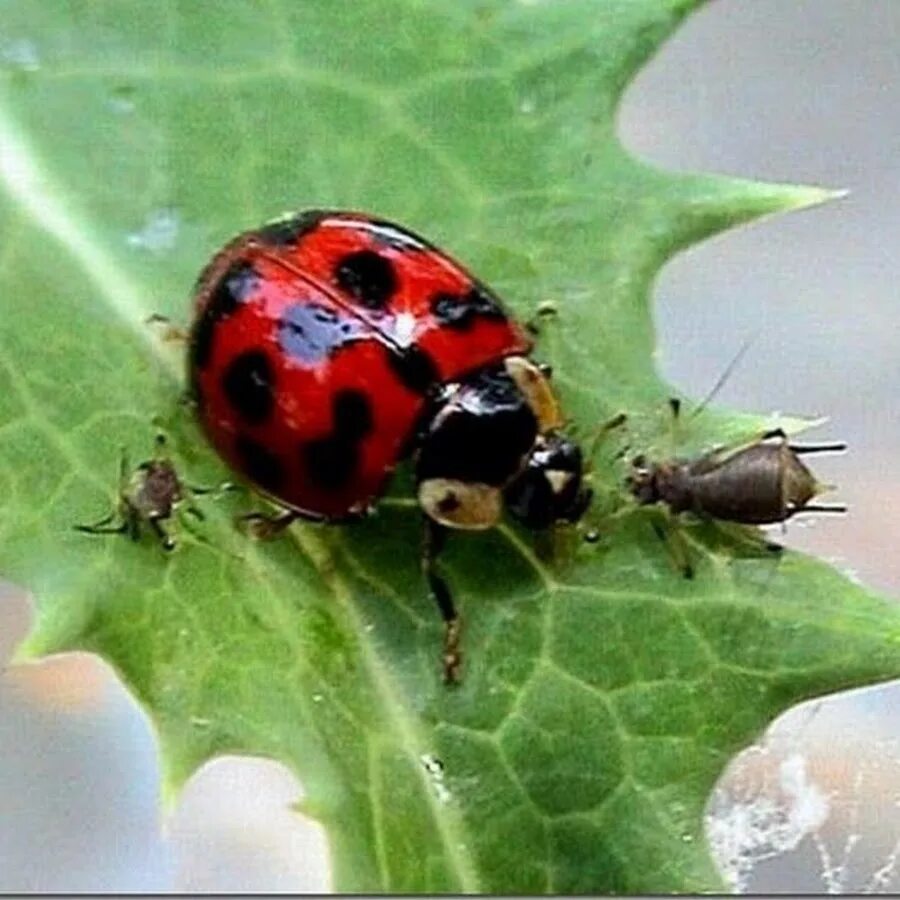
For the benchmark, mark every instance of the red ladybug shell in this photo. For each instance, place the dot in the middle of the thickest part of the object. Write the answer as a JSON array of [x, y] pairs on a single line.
[[315, 344]]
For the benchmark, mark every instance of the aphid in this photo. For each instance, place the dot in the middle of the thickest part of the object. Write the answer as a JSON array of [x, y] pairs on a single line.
[[148, 495], [756, 484]]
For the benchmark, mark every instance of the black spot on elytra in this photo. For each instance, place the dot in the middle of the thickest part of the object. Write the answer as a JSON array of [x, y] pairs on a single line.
[[233, 287], [414, 367], [459, 311], [288, 231], [310, 332], [249, 384], [394, 236], [352, 414], [368, 277], [260, 464], [331, 461]]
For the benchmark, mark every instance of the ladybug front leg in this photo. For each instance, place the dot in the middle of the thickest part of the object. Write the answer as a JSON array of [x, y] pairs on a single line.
[[435, 537]]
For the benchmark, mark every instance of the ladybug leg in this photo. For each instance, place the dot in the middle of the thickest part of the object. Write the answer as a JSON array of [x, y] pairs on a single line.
[[435, 538], [263, 527], [546, 310], [167, 330]]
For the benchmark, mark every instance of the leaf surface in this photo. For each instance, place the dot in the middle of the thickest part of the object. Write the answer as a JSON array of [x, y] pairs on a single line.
[[603, 694]]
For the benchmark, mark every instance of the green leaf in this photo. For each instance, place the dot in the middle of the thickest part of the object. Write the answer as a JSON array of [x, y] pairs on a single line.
[[603, 693]]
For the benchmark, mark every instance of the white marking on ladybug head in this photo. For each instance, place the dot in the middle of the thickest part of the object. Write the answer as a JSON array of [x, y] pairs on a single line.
[[558, 479]]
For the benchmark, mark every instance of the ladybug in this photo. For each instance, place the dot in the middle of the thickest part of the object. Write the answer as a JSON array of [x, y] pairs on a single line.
[[328, 346]]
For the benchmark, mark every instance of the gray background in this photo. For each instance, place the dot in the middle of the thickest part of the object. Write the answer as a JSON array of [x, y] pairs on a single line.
[[806, 91]]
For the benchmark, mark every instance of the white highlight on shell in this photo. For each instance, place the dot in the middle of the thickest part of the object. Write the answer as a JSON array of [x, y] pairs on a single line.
[[404, 329]]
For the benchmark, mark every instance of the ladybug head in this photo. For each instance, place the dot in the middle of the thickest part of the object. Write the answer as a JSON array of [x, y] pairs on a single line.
[[550, 488]]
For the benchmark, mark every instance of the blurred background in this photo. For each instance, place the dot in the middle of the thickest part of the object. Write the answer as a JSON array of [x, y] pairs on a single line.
[[807, 91]]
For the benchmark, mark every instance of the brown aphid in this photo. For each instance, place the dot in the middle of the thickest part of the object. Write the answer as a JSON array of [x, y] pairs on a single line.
[[758, 484], [148, 495]]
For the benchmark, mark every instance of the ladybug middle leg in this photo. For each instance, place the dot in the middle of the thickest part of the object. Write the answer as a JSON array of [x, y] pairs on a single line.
[[434, 540]]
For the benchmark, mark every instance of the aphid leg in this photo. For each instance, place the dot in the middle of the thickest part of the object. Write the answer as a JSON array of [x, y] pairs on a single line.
[[600, 433], [677, 548], [193, 490], [166, 541], [127, 524], [167, 330], [755, 538], [263, 527], [132, 522], [434, 539], [103, 526]]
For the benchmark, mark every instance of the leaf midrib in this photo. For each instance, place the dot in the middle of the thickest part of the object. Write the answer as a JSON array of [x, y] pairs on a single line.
[[33, 191]]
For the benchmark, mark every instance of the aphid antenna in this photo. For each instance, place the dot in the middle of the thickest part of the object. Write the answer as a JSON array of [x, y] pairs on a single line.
[[722, 380]]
